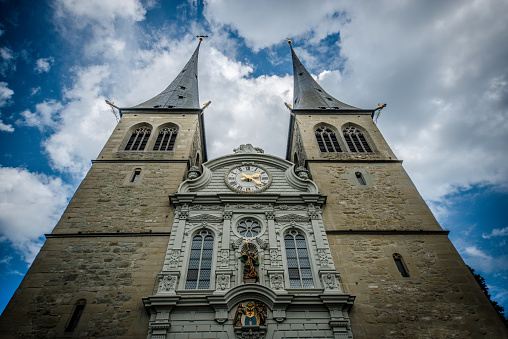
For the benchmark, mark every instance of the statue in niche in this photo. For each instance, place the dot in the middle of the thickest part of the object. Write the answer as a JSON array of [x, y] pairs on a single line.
[[254, 313], [251, 260]]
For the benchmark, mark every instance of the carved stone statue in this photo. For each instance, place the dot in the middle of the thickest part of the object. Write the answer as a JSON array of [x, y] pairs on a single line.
[[250, 259], [248, 148], [302, 173]]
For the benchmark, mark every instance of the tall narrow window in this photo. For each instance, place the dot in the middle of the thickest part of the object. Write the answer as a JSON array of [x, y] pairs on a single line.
[[400, 265], [299, 271], [327, 140], [166, 139], [138, 139], [200, 263], [78, 311], [136, 175], [356, 140], [360, 178]]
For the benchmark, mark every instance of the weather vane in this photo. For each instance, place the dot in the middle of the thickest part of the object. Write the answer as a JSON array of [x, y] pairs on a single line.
[[201, 37], [289, 40]]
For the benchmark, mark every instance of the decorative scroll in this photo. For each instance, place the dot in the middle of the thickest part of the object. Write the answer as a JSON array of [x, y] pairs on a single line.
[[207, 207], [292, 217], [290, 207], [205, 218]]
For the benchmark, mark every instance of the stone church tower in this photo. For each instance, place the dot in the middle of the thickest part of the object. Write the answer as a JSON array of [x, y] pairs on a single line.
[[332, 242]]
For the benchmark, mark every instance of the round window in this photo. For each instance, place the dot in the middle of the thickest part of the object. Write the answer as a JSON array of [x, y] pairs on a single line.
[[248, 228]]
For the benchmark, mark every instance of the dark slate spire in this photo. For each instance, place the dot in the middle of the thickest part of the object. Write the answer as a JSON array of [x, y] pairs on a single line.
[[307, 92], [182, 92]]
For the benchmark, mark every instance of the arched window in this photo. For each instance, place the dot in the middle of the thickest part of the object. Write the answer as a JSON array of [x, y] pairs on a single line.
[[299, 271], [327, 140], [166, 139], [138, 139], [200, 263], [78, 311], [356, 140], [401, 265]]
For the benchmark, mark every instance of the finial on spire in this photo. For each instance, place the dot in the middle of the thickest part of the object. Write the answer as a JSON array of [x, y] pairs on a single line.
[[289, 40], [200, 37]]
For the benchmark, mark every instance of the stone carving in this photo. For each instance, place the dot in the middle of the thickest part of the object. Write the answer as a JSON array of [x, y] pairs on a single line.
[[245, 206], [194, 173], [207, 207], [222, 282], [182, 215], [329, 281], [302, 173], [247, 148], [277, 282], [173, 258], [274, 256], [260, 243], [228, 215], [290, 207], [292, 217], [253, 313], [204, 218], [270, 215], [167, 283], [314, 215], [224, 258], [323, 258]]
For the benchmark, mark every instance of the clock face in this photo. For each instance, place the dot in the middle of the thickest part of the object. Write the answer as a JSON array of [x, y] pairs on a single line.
[[248, 178]]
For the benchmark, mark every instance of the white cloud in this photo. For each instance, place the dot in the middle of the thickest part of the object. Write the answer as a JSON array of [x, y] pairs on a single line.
[[35, 90], [5, 93], [6, 127], [496, 233], [43, 65], [30, 206], [481, 260], [7, 60], [45, 115]]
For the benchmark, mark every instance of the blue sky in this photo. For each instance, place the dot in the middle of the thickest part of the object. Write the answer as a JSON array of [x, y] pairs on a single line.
[[442, 68]]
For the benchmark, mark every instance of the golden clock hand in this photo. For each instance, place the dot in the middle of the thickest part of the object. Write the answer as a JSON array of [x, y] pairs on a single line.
[[246, 176], [255, 175], [258, 182]]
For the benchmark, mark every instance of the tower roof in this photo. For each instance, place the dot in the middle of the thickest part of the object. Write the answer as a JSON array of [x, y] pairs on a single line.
[[308, 94], [182, 92]]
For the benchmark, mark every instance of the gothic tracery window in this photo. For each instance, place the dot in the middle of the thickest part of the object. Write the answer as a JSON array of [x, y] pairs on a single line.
[[327, 140], [248, 228], [298, 261], [166, 139], [200, 263], [138, 139], [356, 140]]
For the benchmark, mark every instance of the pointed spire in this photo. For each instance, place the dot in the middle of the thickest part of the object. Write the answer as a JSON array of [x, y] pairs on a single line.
[[308, 94], [182, 92]]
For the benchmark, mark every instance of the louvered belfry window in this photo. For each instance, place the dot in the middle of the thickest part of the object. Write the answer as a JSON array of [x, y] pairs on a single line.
[[138, 139], [166, 139], [298, 261], [327, 140], [356, 140], [200, 263]]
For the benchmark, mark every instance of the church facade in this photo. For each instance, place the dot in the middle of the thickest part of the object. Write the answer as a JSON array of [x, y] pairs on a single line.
[[332, 242]]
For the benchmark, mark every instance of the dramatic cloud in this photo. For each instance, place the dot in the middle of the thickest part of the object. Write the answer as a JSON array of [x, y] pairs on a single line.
[[5, 127], [43, 65], [30, 205]]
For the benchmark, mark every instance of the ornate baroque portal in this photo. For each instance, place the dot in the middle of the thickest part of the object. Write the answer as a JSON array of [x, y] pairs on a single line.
[[249, 258]]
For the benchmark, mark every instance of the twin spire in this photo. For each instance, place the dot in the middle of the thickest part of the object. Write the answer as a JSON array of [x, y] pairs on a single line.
[[183, 93]]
